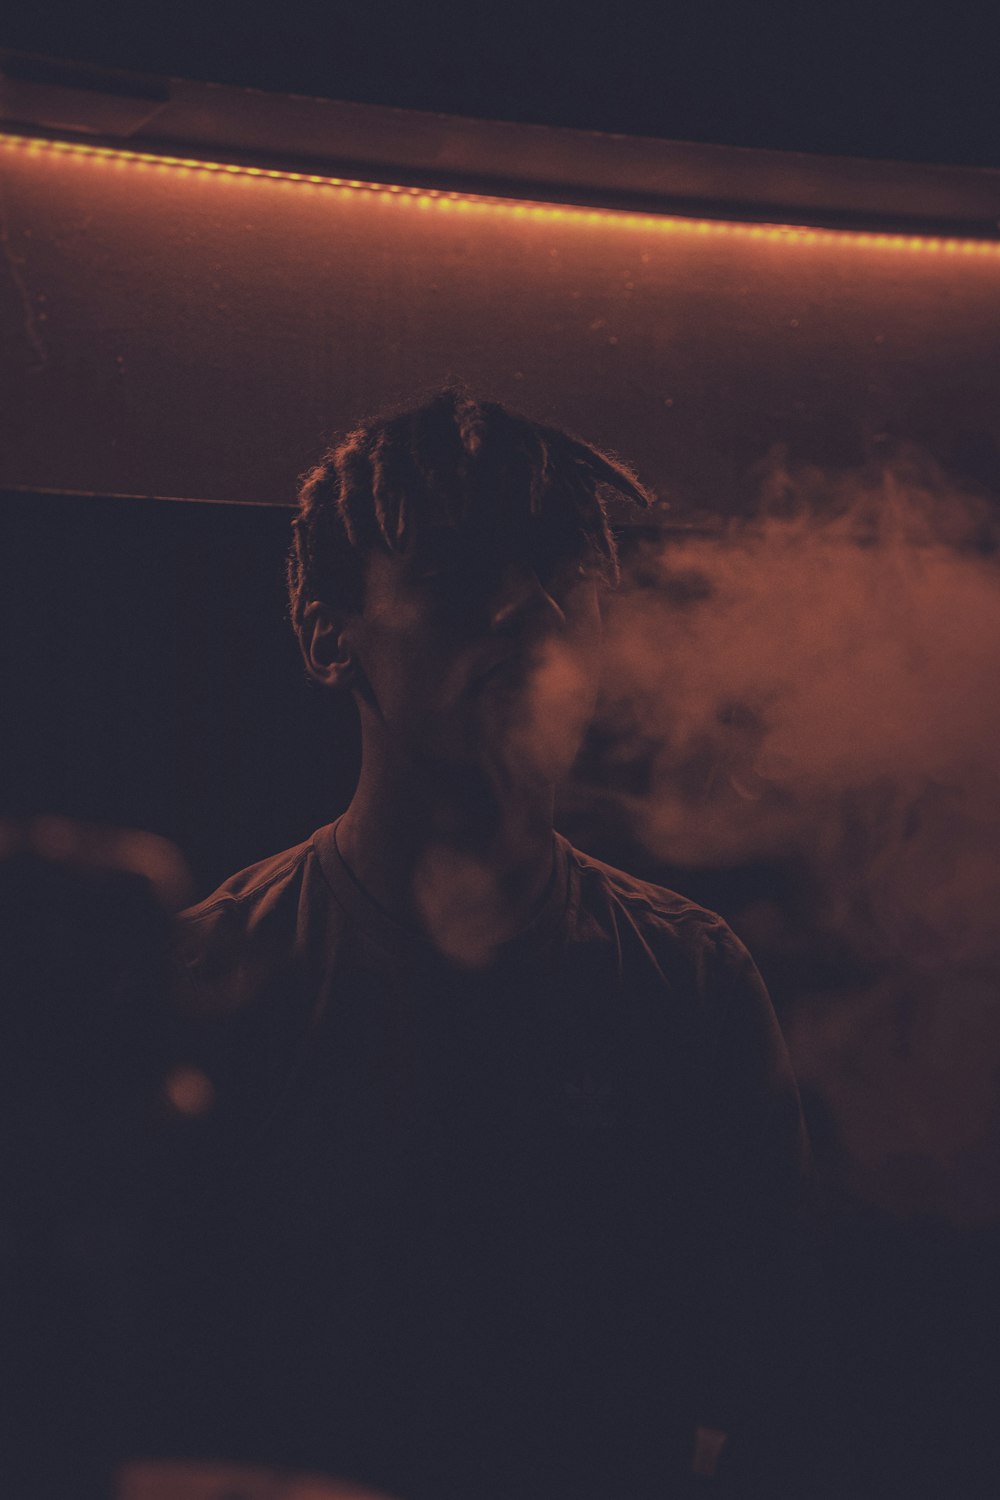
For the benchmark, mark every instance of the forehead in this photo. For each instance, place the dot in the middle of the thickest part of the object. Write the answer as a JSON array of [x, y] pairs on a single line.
[[459, 564], [435, 552], [456, 545], [497, 533]]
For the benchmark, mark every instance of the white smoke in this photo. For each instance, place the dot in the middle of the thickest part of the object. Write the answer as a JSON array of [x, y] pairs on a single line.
[[823, 685], [458, 898]]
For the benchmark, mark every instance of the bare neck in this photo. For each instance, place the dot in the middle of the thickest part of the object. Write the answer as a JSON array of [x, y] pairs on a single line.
[[449, 848]]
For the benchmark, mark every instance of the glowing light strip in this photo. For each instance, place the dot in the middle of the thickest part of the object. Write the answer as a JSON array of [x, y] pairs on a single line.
[[447, 201]]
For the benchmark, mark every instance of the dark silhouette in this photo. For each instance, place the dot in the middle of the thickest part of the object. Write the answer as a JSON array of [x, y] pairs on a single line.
[[508, 1178], [88, 1037]]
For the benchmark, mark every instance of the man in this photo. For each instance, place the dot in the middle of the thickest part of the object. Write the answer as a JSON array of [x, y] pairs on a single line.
[[511, 1154]]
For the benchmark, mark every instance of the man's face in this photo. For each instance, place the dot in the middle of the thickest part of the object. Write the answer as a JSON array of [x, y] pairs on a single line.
[[482, 652]]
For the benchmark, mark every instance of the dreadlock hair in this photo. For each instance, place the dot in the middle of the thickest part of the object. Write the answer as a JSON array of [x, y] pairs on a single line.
[[453, 461]]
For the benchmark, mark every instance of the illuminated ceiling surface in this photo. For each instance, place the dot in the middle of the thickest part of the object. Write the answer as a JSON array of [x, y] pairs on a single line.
[[186, 327]]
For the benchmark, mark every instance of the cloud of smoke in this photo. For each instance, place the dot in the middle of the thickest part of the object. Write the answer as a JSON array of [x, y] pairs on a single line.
[[548, 719], [820, 683], [458, 898]]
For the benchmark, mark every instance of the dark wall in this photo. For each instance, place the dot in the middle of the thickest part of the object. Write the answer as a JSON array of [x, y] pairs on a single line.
[[156, 679]]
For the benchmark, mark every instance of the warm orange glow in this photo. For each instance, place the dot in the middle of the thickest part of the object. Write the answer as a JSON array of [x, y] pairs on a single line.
[[189, 1092], [428, 198]]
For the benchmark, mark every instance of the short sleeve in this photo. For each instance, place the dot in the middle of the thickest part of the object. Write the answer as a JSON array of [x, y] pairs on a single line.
[[761, 1277], [756, 1123]]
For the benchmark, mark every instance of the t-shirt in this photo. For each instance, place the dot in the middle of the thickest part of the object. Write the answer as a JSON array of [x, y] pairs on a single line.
[[470, 1233]]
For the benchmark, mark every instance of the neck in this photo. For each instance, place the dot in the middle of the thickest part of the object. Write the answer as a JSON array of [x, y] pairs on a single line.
[[449, 851]]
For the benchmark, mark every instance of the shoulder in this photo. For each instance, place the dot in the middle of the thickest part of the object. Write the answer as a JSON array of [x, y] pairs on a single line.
[[226, 944], [636, 893], [249, 894], [656, 911], [687, 950]]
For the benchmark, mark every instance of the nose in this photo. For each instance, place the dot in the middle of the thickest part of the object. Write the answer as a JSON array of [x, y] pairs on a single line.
[[522, 603]]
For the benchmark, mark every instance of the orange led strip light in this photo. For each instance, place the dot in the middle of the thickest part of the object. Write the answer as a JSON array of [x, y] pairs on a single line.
[[445, 201]]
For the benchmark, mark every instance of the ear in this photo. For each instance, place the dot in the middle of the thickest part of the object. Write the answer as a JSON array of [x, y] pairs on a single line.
[[326, 643]]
